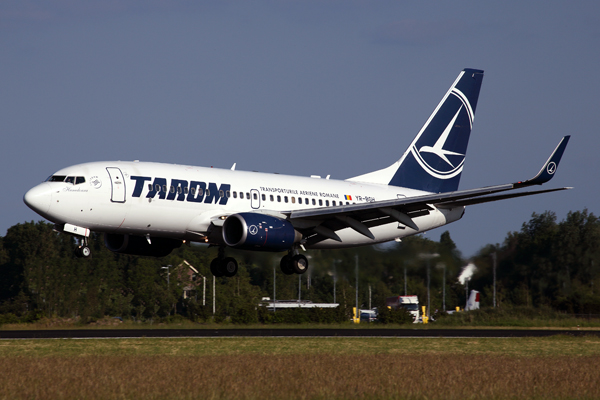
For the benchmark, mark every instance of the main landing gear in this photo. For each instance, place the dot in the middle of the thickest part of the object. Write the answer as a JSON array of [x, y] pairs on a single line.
[[223, 266], [291, 263]]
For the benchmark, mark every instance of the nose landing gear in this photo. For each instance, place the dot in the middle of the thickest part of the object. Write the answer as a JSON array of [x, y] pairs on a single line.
[[83, 250]]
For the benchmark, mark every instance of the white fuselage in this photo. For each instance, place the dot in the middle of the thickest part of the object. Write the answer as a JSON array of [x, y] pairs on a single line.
[[122, 197]]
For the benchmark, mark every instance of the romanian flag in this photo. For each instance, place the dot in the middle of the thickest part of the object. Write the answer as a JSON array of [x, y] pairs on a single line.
[[348, 197]]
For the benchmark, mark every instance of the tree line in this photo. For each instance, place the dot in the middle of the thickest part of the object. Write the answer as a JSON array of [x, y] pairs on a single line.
[[545, 264]]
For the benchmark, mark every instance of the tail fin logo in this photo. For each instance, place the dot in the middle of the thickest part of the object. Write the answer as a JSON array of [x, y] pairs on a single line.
[[444, 159]]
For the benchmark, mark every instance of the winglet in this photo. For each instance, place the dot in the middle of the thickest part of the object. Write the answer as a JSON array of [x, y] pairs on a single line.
[[549, 168]]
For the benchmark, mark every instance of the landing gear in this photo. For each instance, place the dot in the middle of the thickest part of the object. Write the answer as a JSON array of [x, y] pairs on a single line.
[[286, 265], [223, 266], [299, 264], [293, 264], [83, 250], [215, 268], [229, 266]]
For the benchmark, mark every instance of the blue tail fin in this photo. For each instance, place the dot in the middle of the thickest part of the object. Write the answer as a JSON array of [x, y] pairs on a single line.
[[435, 158]]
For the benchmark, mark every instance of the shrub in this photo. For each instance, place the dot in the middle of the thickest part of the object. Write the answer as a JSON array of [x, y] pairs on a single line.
[[398, 315]]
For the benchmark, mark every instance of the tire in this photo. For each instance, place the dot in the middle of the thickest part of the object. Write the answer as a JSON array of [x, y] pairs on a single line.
[[286, 265], [215, 268], [229, 266], [86, 252], [299, 264]]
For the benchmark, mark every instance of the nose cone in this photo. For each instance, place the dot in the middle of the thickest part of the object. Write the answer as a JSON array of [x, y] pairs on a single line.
[[39, 198]]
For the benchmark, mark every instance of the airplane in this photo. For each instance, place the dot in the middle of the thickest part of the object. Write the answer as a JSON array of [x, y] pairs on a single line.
[[150, 209]]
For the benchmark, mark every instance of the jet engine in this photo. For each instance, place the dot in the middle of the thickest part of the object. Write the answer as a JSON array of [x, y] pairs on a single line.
[[139, 246], [259, 232]]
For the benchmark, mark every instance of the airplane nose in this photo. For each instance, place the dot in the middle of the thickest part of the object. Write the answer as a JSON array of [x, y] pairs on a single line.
[[39, 198]]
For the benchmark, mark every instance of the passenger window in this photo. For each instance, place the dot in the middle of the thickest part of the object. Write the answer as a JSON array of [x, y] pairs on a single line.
[[306, 201], [264, 197], [320, 202], [279, 199], [299, 200], [193, 191], [327, 203], [241, 195], [179, 189], [207, 192], [200, 191], [150, 187], [221, 193], [172, 189], [271, 198], [333, 203], [185, 190], [293, 200], [157, 187], [314, 203], [248, 195], [164, 188], [228, 193], [255, 196], [235, 195]]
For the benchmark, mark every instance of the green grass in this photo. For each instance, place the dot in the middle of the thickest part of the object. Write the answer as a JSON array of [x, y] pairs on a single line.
[[550, 346]]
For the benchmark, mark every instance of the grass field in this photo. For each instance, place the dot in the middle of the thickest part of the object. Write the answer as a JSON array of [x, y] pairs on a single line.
[[301, 368]]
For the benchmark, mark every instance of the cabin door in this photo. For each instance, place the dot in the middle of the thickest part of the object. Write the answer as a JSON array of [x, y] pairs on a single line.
[[117, 185]]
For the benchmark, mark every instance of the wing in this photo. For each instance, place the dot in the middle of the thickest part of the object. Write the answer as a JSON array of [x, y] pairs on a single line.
[[321, 224]]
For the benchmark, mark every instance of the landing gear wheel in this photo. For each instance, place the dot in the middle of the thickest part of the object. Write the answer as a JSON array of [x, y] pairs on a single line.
[[215, 268], [299, 264], [229, 267], [83, 252], [286, 265]]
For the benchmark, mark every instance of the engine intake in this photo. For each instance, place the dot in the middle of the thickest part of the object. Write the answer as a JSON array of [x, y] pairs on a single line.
[[139, 246], [259, 232]]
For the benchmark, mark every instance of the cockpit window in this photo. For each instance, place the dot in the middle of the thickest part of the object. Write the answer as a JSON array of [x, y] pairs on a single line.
[[75, 180]]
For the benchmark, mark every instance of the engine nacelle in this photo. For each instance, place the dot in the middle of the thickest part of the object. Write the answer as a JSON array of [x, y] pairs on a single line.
[[259, 232], [139, 246]]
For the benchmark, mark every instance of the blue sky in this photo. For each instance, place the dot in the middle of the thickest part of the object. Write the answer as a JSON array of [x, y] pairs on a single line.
[[300, 87]]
